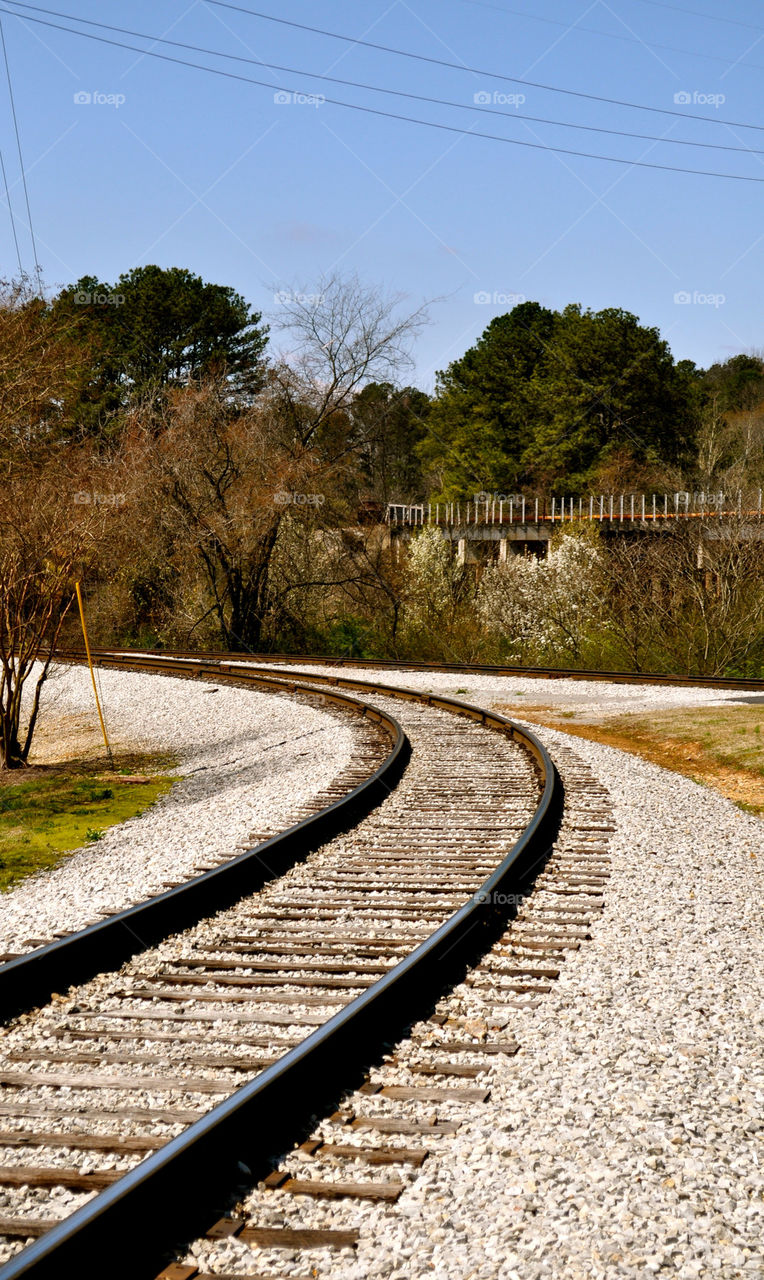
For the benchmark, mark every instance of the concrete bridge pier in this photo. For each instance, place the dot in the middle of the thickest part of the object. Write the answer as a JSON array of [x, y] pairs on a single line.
[[466, 552]]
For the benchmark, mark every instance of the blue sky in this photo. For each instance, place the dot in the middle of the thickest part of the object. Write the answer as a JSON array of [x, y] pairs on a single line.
[[175, 166]]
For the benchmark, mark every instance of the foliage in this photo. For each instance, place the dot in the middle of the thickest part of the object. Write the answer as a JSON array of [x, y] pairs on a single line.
[[57, 502], [350, 637], [737, 385], [607, 382], [484, 413], [545, 609], [387, 425], [43, 358], [438, 604], [546, 397], [250, 494], [157, 328], [251, 505]]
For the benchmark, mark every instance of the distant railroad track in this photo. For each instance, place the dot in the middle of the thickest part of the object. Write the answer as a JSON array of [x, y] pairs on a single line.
[[743, 684], [275, 1004]]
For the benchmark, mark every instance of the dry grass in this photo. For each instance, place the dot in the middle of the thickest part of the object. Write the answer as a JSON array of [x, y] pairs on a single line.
[[721, 747]]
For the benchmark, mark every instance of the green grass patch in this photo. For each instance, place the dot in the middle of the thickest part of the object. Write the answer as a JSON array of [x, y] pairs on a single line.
[[47, 816]]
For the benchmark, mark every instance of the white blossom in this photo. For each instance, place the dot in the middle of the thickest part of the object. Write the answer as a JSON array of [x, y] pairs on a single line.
[[544, 608]]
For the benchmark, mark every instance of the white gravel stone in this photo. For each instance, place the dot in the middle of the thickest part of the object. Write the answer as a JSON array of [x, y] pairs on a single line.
[[624, 1140], [590, 699], [247, 759]]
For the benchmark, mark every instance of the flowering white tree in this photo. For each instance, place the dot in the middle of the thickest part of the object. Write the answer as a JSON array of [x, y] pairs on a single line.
[[545, 608], [437, 583]]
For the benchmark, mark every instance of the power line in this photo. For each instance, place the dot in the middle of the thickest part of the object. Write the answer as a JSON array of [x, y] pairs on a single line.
[[418, 57], [710, 17], [391, 115], [620, 35], [397, 93], [21, 158], [493, 75], [10, 210]]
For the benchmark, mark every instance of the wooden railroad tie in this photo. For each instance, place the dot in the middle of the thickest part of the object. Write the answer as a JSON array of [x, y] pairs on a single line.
[[388, 1191]]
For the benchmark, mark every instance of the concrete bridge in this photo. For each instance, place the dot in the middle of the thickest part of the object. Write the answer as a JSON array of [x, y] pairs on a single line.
[[503, 524]]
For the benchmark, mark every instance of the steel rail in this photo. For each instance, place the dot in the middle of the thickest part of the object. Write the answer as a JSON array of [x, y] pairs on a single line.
[[742, 683], [127, 1228], [32, 978]]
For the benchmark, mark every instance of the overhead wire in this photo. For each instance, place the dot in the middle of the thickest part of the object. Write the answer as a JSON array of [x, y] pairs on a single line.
[[621, 36], [494, 75], [21, 158], [10, 211], [696, 13], [397, 93], [390, 115]]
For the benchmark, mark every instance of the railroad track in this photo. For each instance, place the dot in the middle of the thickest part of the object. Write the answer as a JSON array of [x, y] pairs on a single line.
[[742, 684], [278, 1003], [343, 1189], [380, 754]]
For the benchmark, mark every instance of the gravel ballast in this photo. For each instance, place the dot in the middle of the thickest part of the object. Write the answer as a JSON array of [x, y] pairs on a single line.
[[589, 699], [247, 759], [624, 1139]]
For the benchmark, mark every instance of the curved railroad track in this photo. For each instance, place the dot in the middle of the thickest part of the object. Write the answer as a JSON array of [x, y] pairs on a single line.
[[276, 1004], [342, 1192], [380, 754], [743, 684]]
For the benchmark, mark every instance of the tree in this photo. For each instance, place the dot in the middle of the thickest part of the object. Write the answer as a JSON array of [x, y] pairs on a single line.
[[438, 587], [547, 398], [608, 382], [546, 609], [55, 502], [484, 414], [42, 361], [690, 599], [234, 483], [54, 512], [340, 338], [737, 384], [223, 484], [157, 328], [387, 424], [636, 601]]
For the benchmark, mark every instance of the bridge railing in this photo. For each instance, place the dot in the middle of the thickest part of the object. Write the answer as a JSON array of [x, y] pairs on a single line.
[[603, 508]]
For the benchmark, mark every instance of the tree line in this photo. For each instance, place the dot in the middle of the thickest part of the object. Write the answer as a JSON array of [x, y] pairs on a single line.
[[214, 480]]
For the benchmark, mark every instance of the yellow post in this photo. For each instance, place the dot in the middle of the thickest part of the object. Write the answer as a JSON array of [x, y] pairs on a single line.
[[92, 673]]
